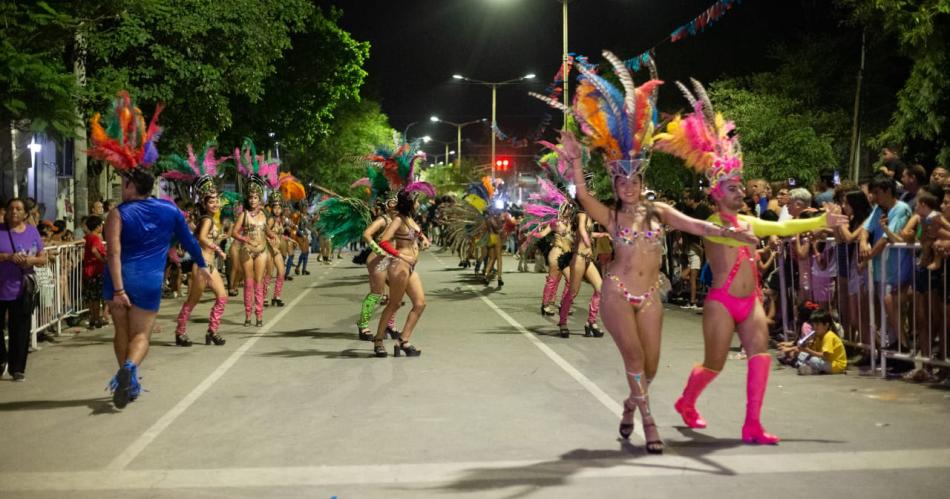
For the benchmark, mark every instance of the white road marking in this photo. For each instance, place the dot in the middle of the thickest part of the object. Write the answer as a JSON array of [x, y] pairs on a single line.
[[612, 405], [501, 473], [132, 451]]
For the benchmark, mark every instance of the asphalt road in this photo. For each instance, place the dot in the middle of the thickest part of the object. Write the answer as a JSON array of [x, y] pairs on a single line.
[[496, 406]]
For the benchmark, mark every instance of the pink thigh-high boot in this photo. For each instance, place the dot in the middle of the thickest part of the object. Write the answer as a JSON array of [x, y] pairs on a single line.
[[756, 382], [249, 287], [279, 286], [182, 321], [699, 379], [259, 301], [214, 321]]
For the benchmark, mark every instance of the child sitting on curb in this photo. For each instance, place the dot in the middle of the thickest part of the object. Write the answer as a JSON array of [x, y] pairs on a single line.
[[820, 350]]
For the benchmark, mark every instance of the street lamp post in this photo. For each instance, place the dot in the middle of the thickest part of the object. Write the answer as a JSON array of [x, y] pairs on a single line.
[[565, 70], [458, 127], [494, 91], [405, 133]]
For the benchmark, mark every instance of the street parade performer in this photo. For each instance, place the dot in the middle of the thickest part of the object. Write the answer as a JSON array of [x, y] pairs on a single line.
[[709, 144], [199, 173], [400, 259], [138, 234], [251, 229], [619, 125]]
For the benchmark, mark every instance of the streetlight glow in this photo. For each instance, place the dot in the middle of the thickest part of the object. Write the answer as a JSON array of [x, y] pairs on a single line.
[[529, 76], [434, 119], [458, 77], [426, 139]]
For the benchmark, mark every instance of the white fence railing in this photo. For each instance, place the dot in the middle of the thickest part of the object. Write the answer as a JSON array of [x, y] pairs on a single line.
[[60, 289]]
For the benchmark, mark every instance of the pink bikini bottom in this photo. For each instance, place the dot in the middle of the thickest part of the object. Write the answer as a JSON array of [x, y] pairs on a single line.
[[739, 308]]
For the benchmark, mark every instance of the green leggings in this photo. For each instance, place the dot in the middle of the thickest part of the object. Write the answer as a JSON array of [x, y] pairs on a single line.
[[366, 311]]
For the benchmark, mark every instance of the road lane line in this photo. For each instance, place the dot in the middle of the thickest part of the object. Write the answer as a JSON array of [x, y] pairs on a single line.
[[132, 451], [606, 400], [459, 475]]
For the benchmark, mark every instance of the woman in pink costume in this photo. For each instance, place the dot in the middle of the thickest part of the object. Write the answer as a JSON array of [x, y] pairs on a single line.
[[708, 143]]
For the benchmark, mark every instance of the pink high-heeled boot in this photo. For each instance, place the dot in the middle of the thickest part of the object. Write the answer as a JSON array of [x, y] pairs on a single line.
[[259, 301], [699, 379], [249, 289], [757, 381]]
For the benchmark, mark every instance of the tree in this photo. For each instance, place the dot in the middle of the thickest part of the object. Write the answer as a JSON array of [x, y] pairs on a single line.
[[922, 32], [337, 160], [323, 69], [202, 58], [776, 132], [450, 178], [35, 84]]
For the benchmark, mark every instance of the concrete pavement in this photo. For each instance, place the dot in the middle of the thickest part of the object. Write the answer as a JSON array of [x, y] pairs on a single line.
[[497, 406]]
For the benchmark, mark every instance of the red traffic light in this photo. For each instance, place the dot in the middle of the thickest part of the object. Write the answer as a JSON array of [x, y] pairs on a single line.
[[502, 164]]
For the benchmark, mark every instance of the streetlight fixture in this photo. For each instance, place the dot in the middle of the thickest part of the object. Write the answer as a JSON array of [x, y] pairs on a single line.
[[494, 92], [458, 127]]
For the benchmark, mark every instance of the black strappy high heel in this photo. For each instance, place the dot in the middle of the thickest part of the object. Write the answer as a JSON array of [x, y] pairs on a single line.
[[378, 349], [626, 419], [247, 322], [406, 348], [182, 340], [364, 334], [564, 332], [653, 446], [591, 330], [213, 338]]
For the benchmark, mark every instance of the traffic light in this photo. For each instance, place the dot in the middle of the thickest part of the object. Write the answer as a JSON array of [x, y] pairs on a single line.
[[502, 164]]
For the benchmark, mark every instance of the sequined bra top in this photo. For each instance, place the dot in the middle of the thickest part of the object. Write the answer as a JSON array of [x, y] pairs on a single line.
[[630, 237], [253, 229]]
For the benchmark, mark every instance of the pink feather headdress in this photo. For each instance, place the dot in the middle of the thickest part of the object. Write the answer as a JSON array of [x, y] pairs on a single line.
[[704, 140], [399, 166]]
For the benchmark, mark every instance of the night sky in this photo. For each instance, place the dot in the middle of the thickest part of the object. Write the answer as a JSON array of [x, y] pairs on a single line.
[[418, 44]]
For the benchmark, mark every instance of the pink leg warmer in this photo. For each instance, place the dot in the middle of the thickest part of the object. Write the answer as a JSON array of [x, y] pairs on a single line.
[[216, 312], [266, 284], [567, 301], [756, 382], [183, 315], [550, 289], [699, 379], [249, 287], [279, 286], [259, 301], [593, 308]]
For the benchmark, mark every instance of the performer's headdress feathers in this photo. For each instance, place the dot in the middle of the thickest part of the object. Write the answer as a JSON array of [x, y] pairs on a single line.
[[703, 139], [126, 142], [618, 122], [258, 173], [398, 168], [200, 171]]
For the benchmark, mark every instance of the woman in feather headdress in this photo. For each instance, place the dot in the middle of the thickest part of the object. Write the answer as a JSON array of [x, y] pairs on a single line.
[[345, 220], [708, 143], [251, 230], [618, 124], [199, 172], [577, 265], [400, 244], [545, 218], [285, 188], [138, 234]]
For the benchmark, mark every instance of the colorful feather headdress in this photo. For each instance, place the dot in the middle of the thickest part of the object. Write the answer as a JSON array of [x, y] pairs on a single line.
[[704, 140], [200, 171], [399, 166], [481, 194], [288, 188], [618, 122], [258, 173], [126, 142]]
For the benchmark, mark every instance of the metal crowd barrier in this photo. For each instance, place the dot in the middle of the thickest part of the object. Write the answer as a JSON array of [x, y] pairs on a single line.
[[905, 319], [60, 289]]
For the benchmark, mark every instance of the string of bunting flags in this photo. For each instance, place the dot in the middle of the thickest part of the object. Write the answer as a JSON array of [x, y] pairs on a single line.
[[554, 90]]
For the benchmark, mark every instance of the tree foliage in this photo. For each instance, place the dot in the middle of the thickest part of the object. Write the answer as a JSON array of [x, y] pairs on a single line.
[[35, 84], [337, 159], [921, 29]]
